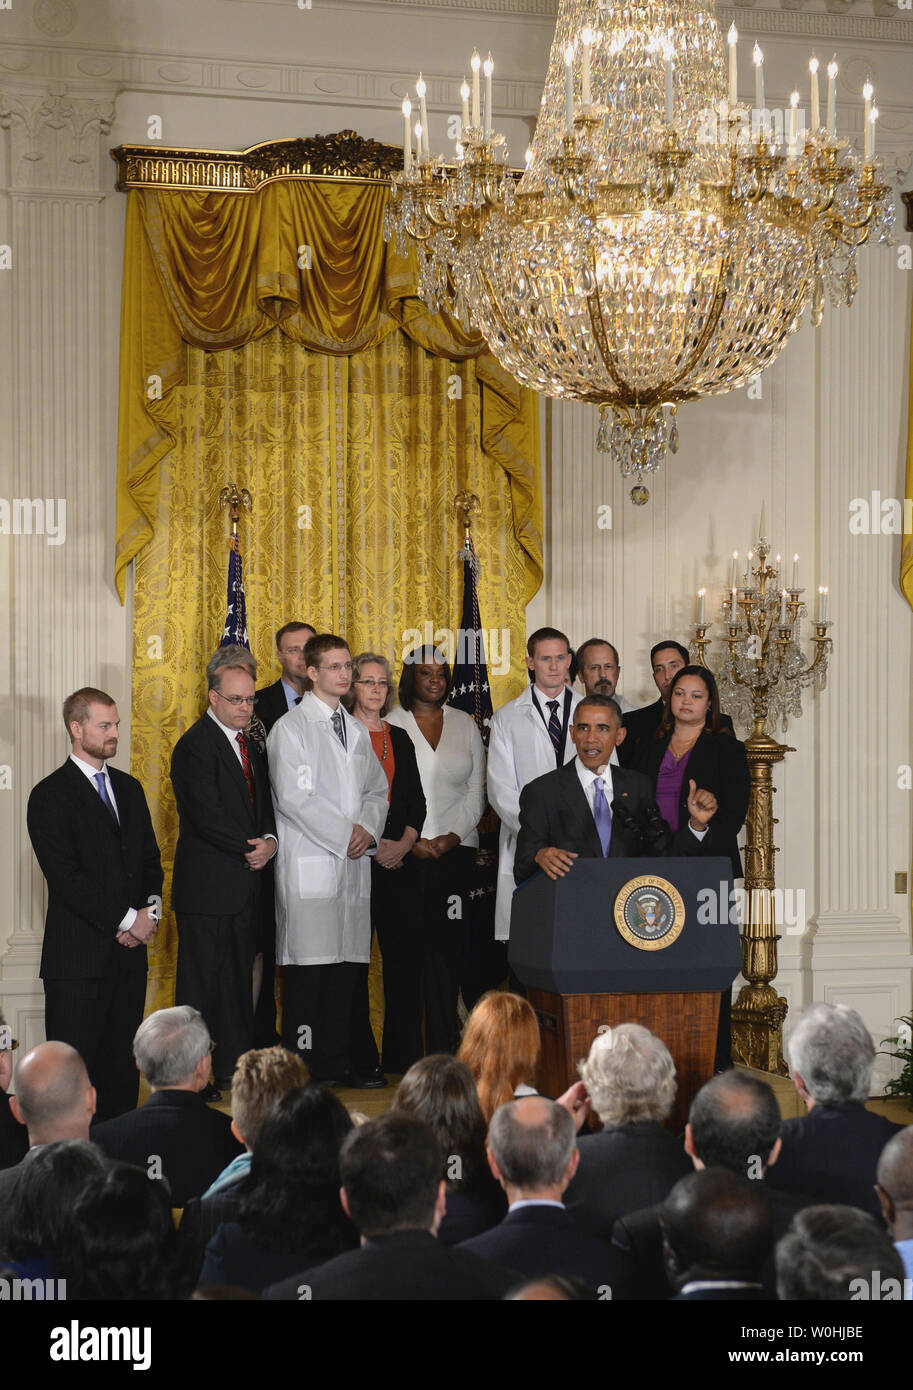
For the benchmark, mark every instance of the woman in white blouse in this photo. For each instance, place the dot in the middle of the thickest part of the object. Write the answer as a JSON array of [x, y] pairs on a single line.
[[451, 763]]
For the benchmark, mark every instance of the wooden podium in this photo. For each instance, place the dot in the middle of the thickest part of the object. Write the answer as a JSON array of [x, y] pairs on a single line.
[[584, 973]]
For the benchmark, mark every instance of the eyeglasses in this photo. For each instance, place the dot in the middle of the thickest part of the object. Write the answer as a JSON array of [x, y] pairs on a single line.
[[375, 685], [237, 699], [337, 666], [291, 651]]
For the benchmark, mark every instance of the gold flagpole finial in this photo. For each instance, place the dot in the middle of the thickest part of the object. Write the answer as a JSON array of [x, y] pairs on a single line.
[[469, 505], [236, 498]]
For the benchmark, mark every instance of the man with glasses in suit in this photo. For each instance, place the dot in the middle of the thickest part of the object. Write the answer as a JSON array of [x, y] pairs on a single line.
[[227, 835]]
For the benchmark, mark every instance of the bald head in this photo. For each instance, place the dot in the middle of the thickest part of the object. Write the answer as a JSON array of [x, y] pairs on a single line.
[[54, 1097], [895, 1183], [533, 1145]]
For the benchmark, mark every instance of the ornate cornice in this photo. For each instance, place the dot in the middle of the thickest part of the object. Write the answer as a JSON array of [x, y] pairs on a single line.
[[344, 155]]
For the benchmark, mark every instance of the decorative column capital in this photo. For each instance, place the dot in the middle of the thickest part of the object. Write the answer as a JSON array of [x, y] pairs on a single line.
[[54, 138]]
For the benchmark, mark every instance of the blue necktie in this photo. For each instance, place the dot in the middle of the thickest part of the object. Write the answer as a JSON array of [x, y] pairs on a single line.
[[602, 816], [103, 793]]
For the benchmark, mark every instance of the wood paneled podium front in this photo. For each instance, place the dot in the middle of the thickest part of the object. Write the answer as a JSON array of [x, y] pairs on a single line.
[[627, 941]]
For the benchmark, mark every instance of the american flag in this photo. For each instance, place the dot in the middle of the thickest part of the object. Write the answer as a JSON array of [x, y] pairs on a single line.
[[469, 690], [235, 631]]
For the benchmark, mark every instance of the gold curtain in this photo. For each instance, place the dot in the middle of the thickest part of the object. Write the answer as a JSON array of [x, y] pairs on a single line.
[[321, 383]]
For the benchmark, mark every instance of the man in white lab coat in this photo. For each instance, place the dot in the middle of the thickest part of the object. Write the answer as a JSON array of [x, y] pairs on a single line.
[[529, 737], [330, 798]]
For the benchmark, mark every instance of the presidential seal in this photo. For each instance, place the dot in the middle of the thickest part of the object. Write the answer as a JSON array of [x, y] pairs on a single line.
[[649, 913]]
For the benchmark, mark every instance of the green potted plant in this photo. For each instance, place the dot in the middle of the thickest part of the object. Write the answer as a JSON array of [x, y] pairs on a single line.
[[903, 1052]]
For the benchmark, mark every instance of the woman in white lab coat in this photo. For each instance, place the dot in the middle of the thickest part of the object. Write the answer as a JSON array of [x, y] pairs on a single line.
[[451, 763]]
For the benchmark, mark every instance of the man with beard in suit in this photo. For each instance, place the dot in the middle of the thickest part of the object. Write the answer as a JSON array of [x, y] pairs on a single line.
[[92, 835], [666, 658], [227, 834], [590, 809]]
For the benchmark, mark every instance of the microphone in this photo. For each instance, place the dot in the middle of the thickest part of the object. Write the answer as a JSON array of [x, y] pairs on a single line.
[[630, 823], [657, 834]]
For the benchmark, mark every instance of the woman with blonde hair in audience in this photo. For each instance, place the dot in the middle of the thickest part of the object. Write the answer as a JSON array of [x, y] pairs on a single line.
[[500, 1046]]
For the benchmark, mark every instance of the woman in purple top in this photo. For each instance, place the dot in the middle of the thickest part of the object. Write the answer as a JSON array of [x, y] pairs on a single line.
[[691, 746]]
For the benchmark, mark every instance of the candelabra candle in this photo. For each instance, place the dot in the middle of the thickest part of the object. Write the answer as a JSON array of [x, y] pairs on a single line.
[[783, 608], [832, 99], [418, 142], [734, 576], [795, 573], [407, 136], [464, 104], [815, 103], [423, 113], [701, 594], [732, 39], [734, 607], [758, 59], [475, 63], [871, 129], [586, 39], [822, 605], [488, 70], [793, 153], [748, 559], [569, 90]]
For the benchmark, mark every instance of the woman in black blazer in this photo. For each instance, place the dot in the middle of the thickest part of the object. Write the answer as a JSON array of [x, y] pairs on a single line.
[[395, 906], [690, 745]]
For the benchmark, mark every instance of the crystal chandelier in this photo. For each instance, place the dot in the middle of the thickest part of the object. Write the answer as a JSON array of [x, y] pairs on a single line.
[[663, 241]]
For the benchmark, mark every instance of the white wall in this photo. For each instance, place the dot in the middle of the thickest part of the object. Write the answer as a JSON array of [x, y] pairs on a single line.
[[78, 77]]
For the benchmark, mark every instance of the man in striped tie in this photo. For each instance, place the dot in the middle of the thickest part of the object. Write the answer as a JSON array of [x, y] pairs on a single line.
[[227, 834]]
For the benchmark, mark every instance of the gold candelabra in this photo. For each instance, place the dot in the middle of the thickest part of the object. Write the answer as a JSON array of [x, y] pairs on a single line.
[[761, 676]]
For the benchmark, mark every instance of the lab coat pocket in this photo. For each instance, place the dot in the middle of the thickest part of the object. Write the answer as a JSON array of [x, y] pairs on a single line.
[[316, 876]]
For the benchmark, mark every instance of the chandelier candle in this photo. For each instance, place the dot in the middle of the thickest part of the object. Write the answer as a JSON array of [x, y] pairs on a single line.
[[758, 60], [569, 90], [423, 114], [407, 136], [464, 102], [868, 129], [475, 63], [815, 103], [832, 99], [732, 39], [488, 70], [586, 95]]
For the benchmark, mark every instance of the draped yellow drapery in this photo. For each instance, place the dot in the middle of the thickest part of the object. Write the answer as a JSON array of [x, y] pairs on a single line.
[[275, 341]]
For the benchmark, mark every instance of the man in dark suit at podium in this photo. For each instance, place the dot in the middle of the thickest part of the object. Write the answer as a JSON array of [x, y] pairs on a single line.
[[590, 809]]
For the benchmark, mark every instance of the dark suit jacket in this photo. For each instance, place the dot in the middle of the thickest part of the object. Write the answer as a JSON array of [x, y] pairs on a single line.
[[831, 1154], [193, 1142], [407, 799], [471, 1209], [14, 1139], [10, 1176], [409, 1265], [622, 1170], [271, 704], [233, 1257], [717, 763], [95, 870], [543, 1240], [641, 725], [211, 876], [554, 811], [639, 1237]]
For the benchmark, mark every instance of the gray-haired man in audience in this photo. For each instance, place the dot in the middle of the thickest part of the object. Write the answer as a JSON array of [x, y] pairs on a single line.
[[532, 1151], [174, 1135], [831, 1153]]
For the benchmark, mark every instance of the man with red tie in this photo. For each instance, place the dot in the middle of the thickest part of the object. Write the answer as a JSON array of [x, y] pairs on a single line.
[[227, 834]]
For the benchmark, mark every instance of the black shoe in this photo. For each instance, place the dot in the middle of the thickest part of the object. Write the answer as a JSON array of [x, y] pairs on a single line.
[[210, 1093], [373, 1080]]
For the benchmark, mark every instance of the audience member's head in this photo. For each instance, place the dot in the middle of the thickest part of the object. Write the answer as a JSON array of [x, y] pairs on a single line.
[[391, 1176], [440, 1090], [629, 1076], [123, 1243], [40, 1213], [261, 1076], [830, 1253], [291, 1198], [734, 1123], [716, 1226], [895, 1183], [532, 1148], [500, 1046], [172, 1048], [54, 1097], [554, 1288], [831, 1055]]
